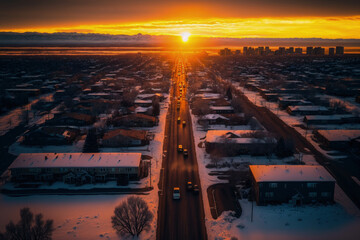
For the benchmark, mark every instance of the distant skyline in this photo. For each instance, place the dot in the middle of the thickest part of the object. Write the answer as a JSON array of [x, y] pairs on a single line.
[[203, 18]]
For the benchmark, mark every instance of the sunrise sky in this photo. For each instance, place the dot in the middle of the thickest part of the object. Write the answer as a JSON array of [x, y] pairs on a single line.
[[202, 18]]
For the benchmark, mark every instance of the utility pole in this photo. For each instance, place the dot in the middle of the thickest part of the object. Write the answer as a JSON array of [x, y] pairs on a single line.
[[150, 172], [252, 209]]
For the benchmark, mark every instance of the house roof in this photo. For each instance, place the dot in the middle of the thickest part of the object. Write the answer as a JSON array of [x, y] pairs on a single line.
[[138, 134], [79, 116], [238, 136], [221, 108], [339, 135], [329, 117], [214, 116], [139, 115], [51, 160], [290, 173], [308, 108]]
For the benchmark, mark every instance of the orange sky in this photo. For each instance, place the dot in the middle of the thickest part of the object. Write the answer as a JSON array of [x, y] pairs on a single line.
[[227, 18]]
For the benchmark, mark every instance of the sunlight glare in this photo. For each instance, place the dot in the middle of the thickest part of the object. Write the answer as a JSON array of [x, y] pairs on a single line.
[[185, 36]]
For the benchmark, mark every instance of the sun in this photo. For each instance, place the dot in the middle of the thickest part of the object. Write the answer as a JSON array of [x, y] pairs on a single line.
[[185, 36]]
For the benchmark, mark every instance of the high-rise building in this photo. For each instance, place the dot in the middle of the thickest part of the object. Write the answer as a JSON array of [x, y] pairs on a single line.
[[245, 50], [339, 50], [331, 51], [225, 52], [298, 50], [309, 50], [281, 51], [319, 51], [290, 50]]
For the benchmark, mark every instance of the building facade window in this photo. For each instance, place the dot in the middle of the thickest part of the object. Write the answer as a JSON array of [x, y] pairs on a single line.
[[311, 185], [269, 194], [312, 194], [325, 194], [273, 185]]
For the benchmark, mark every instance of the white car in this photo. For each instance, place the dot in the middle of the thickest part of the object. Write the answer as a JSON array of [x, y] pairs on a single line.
[[176, 193]]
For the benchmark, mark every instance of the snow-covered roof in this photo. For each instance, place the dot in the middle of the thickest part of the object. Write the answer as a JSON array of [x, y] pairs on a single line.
[[214, 116], [238, 136], [290, 173], [141, 109], [329, 117], [142, 101], [339, 135], [51, 160], [308, 108], [221, 108], [208, 95]]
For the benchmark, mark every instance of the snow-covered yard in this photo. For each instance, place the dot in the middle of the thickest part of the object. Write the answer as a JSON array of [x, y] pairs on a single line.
[[89, 216], [338, 221]]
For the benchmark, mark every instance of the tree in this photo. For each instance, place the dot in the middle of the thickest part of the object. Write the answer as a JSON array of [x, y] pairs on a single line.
[[285, 147], [132, 217], [229, 93], [201, 107], [156, 107], [91, 142], [28, 228]]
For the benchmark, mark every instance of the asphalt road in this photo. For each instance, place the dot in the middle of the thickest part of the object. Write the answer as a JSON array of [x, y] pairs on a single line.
[[183, 218]]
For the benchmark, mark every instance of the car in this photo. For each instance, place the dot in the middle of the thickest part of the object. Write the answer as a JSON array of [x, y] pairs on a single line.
[[176, 193], [183, 123], [178, 120], [180, 148], [189, 186], [185, 152], [196, 189]]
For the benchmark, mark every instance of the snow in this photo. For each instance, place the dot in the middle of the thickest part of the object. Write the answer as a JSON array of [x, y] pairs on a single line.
[[89, 216], [290, 173], [15, 117], [280, 222], [221, 108], [63, 160], [285, 221], [343, 135], [219, 135]]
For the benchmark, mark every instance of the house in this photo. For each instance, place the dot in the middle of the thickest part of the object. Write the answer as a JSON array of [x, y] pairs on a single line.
[[23, 92], [286, 101], [125, 138], [144, 110], [135, 120], [236, 142], [291, 183], [50, 136], [213, 119], [339, 139], [73, 119], [226, 119], [143, 103], [307, 110], [221, 109], [331, 119], [76, 168]]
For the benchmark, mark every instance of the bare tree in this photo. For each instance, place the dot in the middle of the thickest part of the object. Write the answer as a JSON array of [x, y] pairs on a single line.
[[201, 107], [132, 217], [29, 228]]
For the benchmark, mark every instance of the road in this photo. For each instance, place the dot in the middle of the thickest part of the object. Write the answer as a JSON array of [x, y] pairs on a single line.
[[183, 218]]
